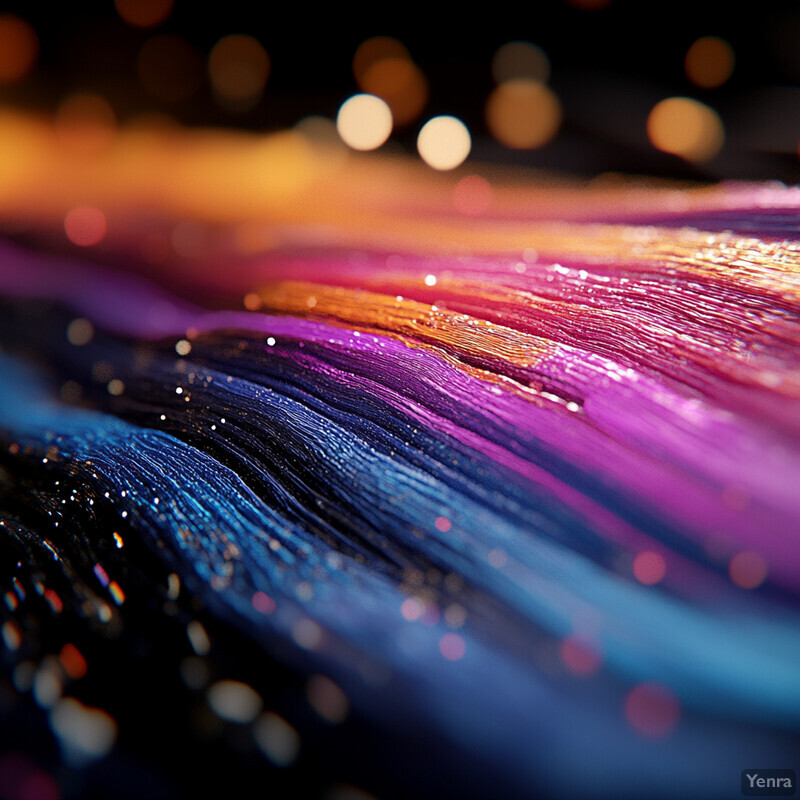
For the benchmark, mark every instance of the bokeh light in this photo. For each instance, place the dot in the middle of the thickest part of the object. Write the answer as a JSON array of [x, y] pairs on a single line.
[[19, 48], [327, 699], [263, 602], [84, 732], [709, 62], [80, 332], [85, 226], [452, 646], [473, 195], [401, 84], [580, 656], [374, 50], [444, 142], [652, 710], [364, 122], [686, 128], [520, 60], [277, 739], [747, 569], [523, 114], [649, 567], [85, 123], [412, 609], [144, 13], [443, 524], [238, 66], [383, 66], [234, 701]]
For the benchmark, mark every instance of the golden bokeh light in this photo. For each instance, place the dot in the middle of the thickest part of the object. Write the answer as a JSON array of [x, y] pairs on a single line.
[[144, 13], [383, 66], [686, 128], [238, 66], [444, 142], [170, 68], [401, 84], [85, 123], [709, 62], [520, 60], [19, 48], [523, 114], [364, 122], [378, 48]]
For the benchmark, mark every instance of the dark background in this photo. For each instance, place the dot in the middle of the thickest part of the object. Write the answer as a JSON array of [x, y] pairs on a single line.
[[609, 67]]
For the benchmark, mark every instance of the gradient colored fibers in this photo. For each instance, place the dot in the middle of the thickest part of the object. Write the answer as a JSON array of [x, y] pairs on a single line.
[[397, 489]]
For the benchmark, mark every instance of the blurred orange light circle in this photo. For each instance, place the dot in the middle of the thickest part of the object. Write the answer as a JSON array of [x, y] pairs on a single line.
[[85, 122], [19, 48], [686, 128], [378, 48], [523, 114], [520, 60], [239, 67], [143, 13], [85, 226], [709, 62], [401, 84]]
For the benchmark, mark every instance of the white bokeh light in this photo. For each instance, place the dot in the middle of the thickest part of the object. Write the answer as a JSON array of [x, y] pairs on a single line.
[[444, 142], [364, 122]]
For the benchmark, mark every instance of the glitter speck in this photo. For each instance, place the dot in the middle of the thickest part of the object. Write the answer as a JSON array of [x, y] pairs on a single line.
[[430, 280]]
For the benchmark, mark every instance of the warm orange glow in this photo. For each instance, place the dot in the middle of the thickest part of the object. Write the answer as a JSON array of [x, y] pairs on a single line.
[[73, 661], [520, 60], [709, 62], [364, 122], [85, 123], [143, 13], [382, 66], [401, 84], [19, 48], [523, 114], [444, 142], [85, 226], [686, 128], [238, 67], [170, 68], [370, 52]]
